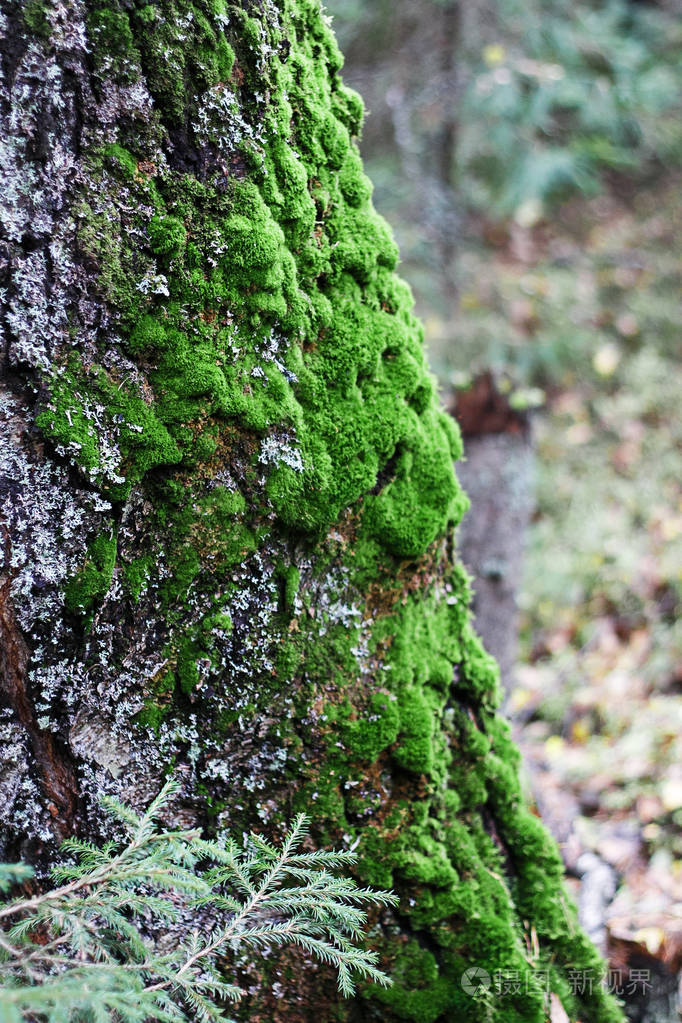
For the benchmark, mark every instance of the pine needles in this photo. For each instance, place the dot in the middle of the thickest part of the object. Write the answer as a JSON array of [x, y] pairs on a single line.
[[91, 949]]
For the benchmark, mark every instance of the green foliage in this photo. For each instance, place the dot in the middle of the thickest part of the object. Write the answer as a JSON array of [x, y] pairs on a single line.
[[91, 948], [550, 94], [568, 92]]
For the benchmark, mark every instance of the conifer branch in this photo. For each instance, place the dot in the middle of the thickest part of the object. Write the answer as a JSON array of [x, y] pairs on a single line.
[[90, 946]]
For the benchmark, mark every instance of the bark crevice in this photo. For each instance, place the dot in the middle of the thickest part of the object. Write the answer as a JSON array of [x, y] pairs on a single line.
[[53, 765]]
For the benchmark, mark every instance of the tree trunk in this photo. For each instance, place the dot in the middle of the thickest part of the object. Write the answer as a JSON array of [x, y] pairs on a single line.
[[497, 474], [228, 500]]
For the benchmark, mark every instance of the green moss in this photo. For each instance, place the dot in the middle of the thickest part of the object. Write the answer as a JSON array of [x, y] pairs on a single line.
[[375, 730], [167, 235], [419, 992], [112, 431], [415, 751], [112, 39], [202, 533], [136, 573], [35, 18], [290, 580], [92, 581], [187, 672], [122, 159], [147, 337], [158, 707]]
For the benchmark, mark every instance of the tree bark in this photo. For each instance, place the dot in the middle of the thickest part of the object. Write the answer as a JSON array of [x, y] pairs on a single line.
[[498, 475], [228, 500]]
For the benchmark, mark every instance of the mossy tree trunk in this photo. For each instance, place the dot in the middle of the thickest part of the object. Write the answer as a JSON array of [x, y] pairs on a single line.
[[228, 498]]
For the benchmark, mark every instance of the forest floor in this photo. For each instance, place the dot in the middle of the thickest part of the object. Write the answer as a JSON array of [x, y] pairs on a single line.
[[588, 310]]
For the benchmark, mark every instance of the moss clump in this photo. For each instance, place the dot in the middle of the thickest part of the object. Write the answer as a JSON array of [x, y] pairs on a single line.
[[136, 573], [376, 730], [289, 577], [167, 236], [86, 589], [112, 39], [109, 429], [35, 18], [420, 992]]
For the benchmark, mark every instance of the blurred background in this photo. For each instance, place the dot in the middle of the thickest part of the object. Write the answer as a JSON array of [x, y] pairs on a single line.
[[528, 154]]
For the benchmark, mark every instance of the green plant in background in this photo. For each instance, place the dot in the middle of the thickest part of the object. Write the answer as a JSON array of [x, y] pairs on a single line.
[[548, 94], [570, 91], [91, 948]]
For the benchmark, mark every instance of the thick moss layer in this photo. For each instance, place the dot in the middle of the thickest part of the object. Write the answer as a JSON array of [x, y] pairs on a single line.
[[271, 411]]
